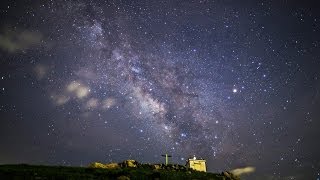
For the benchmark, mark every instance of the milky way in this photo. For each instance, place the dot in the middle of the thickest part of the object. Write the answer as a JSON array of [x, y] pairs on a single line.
[[236, 84]]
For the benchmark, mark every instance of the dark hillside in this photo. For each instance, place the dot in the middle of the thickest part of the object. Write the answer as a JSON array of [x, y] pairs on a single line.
[[140, 172]]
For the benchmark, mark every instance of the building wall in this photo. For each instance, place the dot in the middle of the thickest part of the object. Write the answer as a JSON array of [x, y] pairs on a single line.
[[199, 165]]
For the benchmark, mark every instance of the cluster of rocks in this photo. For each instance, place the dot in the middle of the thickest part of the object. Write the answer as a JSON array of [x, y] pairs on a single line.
[[135, 164], [127, 163]]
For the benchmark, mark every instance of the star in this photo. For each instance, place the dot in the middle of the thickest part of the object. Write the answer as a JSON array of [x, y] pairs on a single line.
[[234, 90]]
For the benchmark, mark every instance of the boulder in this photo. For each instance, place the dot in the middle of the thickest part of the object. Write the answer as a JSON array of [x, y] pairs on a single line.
[[130, 163], [96, 165], [156, 166], [112, 166], [105, 166]]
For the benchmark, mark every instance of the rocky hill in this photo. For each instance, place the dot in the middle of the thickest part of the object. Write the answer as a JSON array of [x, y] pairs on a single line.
[[127, 170]]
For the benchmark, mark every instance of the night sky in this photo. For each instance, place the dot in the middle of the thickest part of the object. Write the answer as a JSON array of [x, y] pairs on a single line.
[[234, 82]]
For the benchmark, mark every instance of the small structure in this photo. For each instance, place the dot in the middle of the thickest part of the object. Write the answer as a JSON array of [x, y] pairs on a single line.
[[197, 164]]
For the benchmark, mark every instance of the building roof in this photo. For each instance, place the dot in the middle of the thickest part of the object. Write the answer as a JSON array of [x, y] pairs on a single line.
[[196, 160]]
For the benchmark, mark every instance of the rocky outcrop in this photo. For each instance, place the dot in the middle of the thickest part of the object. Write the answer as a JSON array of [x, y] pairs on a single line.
[[96, 165], [112, 165], [105, 166], [129, 163]]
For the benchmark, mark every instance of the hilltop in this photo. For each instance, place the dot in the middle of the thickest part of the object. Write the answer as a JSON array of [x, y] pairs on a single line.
[[127, 170]]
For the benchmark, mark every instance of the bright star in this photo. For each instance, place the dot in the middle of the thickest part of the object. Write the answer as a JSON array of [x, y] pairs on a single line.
[[234, 90]]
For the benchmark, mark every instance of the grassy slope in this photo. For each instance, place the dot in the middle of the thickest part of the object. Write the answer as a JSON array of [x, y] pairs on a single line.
[[27, 172]]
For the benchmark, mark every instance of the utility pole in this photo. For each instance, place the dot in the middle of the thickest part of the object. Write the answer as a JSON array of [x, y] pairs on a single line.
[[167, 157]]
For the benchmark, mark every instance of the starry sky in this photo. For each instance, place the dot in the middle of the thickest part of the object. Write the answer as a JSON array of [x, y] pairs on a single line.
[[236, 83]]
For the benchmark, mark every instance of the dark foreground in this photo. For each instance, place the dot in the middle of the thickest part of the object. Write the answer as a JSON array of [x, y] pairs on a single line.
[[36, 172]]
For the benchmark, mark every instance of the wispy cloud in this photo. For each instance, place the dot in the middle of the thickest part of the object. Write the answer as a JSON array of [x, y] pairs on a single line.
[[78, 89], [59, 99], [244, 170], [108, 103], [41, 71], [92, 103], [14, 39]]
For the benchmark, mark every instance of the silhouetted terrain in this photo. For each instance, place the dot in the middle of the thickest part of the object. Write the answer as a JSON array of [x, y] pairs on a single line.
[[120, 172]]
